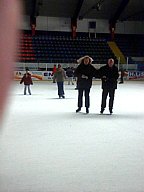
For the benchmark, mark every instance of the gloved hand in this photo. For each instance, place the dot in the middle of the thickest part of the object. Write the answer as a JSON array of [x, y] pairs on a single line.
[[104, 78], [84, 77]]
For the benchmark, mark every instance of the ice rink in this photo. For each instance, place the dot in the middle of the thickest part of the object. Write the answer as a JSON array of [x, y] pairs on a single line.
[[46, 147]]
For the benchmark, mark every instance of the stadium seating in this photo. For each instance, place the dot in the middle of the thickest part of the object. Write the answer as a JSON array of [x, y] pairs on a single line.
[[59, 47], [131, 45]]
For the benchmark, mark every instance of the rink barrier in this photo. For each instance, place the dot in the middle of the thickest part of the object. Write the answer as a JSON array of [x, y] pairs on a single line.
[[47, 75]]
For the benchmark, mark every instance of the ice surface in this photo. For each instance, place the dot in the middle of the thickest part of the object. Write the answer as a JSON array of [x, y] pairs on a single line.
[[46, 147]]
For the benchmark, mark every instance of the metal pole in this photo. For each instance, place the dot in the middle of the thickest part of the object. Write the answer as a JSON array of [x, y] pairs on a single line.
[[127, 63], [118, 63]]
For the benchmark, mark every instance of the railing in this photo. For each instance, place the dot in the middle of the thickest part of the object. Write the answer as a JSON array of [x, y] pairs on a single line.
[[42, 71], [46, 66]]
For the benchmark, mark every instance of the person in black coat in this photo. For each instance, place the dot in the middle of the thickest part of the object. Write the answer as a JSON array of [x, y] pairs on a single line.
[[70, 74], [84, 73], [109, 75]]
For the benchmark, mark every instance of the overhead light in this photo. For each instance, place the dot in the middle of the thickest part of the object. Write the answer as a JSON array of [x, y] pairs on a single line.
[[98, 7]]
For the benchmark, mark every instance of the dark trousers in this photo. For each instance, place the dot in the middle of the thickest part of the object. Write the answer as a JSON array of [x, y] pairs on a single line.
[[54, 79], [121, 79], [60, 88], [80, 97], [105, 93]]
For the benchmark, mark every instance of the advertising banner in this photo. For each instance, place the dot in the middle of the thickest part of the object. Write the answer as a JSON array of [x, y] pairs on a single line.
[[135, 75], [36, 75]]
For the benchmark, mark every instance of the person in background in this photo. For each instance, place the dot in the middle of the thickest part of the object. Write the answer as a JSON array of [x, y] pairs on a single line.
[[27, 80], [123, 73], [10, 19], [70, 74], [84, 73], [76, 88], [109, 75], [75, 78], [60, 76], [53, 72]]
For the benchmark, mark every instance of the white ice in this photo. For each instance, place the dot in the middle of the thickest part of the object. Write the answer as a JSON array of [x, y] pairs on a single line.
[[46, 147]]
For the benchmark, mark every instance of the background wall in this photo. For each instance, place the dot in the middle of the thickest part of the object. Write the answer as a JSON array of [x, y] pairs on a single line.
[[64, 24]]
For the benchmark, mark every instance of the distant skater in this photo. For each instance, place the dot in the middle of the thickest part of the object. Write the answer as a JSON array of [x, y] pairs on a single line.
[[121, 76], [123, 73], [70, 75], [53, 72], [60, 76], [27, 80]]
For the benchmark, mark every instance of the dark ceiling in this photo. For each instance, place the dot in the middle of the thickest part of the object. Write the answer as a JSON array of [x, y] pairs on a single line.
[[121, 10]]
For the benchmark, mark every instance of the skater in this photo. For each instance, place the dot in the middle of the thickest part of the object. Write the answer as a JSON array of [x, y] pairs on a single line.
[[53, 72], [109, 75], [60, 76], [84, 73], [122, 73], [27, 80], [70, 75]]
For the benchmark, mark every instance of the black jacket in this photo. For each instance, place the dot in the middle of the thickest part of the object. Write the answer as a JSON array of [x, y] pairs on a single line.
[[69, 72], [109, 76], [84, 74]]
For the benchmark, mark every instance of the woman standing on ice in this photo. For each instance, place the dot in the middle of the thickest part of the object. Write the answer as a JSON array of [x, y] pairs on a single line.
[[84, 73]]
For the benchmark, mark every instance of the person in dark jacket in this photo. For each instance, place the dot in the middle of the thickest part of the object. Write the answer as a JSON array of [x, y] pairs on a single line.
[[27, 80], [70, 74], [109, 75], [84, 73]]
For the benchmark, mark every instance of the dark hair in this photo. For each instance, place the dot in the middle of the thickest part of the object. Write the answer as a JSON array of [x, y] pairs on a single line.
[[27, 69]]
